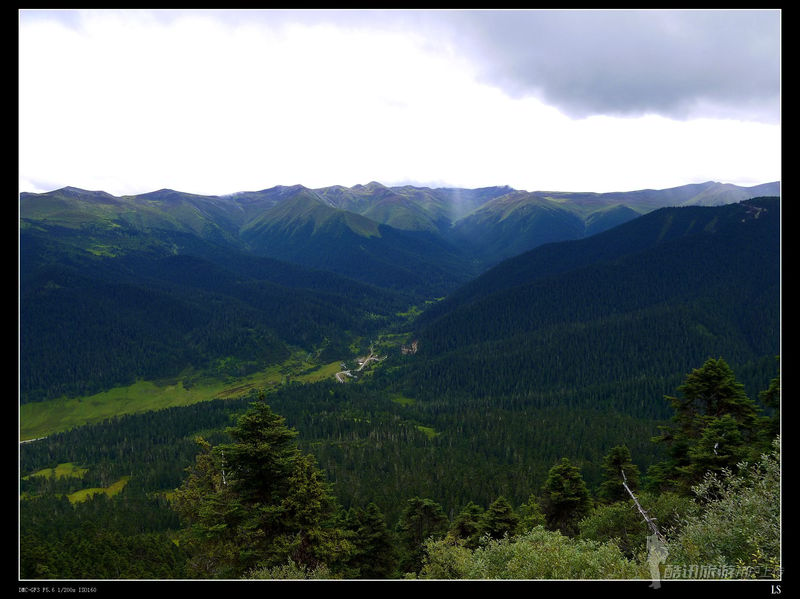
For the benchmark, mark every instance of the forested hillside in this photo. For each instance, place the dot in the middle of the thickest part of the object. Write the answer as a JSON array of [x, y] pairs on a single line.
[[490, 421], [92, 322], [519, 221], [608, 320], [246, 457]]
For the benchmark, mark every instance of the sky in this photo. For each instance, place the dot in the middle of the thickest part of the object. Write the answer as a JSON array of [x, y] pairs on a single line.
[[216, 102]]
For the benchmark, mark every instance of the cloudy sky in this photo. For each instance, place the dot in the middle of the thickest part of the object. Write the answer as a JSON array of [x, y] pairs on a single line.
[[215, 102]]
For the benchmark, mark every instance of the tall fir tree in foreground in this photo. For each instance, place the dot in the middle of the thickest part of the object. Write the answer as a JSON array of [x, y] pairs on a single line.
[[565, 498], [713, 428], [374, 554], [618, 468], [257, 502], [499, 520], [421, 519]]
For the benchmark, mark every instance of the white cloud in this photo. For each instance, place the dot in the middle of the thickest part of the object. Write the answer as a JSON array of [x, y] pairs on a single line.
[[133, 101]]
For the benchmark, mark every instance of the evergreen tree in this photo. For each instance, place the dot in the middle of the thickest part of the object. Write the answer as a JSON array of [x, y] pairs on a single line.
[[261, 459], [211, 514], [771, 424], [467, 525], [615, 463], [373, 553], [499, 519], [257, 502], [530, 515], [565, 498], [721, 445], [308, 535], [713, 422], [421, 520]]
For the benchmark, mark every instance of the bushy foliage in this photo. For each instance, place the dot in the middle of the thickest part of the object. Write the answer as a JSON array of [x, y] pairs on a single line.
[[622, 523], [737, 529], [291, 570], [538, 554]]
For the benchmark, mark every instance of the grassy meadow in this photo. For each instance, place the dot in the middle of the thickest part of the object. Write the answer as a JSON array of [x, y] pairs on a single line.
[[39, 419]]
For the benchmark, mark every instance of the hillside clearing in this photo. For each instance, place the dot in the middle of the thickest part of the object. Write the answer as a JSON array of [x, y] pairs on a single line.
[[40, 419]]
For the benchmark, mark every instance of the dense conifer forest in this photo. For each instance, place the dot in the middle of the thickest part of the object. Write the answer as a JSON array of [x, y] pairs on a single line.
[[361, 456], [490, 438]]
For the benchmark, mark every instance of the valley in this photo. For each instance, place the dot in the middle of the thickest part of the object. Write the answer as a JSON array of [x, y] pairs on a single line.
[[444, 346], [363, 362], [40, 419], [400, 297]]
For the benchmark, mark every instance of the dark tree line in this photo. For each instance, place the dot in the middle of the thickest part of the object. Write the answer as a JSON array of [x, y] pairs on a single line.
[[360, 496], [90, 323]]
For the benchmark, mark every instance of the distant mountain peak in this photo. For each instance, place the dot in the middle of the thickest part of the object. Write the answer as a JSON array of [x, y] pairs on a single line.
[[78, 192], [370, 186]]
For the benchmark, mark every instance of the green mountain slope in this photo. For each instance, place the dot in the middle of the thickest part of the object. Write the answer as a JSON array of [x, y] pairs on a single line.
[[104, 306], [307, 230], [516, 222], [220, 266], [487, 224], [410, 208], [599, 319], [629, 238], [645, 200]]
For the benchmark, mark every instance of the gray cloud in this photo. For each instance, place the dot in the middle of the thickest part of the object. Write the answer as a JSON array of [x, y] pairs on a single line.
[[626, 63], [675, 63]]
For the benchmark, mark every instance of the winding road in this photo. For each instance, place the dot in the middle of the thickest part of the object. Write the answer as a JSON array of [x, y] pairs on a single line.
[[372, 357]]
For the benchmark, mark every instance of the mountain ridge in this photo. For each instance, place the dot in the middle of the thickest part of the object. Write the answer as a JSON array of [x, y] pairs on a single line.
[[697, 192], [675, 287], [403, 236]]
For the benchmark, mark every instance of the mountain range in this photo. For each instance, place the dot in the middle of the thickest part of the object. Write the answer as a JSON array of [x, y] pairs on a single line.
[[504, 335], [374, 233], [118, 288]]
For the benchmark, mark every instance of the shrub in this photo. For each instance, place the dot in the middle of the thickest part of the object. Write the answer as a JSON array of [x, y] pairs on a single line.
[[737, 530], [538, 554]]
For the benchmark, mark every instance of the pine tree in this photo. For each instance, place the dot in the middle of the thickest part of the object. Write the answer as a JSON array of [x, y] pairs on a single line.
[[565, 498], [261, 459], [211, 514], [466, 526], [307, 512], [530, 515], [257, 502], [421, 520], [499, 519], [374, 553], [721, 445], [770, 426], [615, 463], [713, 422]]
